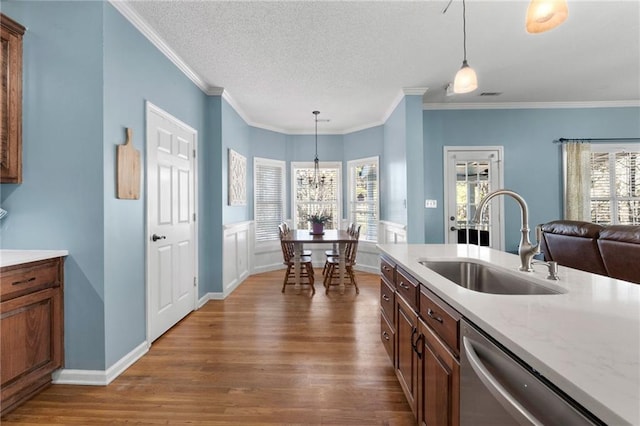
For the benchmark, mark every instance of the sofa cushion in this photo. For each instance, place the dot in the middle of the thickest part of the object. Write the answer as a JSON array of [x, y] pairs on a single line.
[[573, 244], [620, 249]]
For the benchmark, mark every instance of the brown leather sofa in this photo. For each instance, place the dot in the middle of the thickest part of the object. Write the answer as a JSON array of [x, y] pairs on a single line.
[[611, 250]]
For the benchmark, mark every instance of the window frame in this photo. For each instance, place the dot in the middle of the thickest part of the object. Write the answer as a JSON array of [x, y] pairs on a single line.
[[294, 186], [351, 166], [274, 163]]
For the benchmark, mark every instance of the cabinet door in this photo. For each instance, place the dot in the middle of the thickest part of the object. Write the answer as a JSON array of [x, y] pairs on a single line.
[[439, 396], [31, 344], [10, 100], [406, 359]]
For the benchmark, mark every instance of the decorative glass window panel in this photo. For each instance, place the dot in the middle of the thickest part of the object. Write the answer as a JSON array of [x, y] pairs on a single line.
[[313, 195]]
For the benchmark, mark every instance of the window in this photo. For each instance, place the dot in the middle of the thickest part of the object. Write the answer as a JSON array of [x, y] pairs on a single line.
[[363, 196], [615, 184], [269, 197], [309, 199]]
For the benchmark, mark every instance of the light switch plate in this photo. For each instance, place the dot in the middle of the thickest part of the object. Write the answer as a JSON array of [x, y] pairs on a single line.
[[431, 204]]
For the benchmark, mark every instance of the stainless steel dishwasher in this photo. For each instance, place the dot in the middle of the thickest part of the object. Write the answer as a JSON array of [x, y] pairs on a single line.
[[498, 389]]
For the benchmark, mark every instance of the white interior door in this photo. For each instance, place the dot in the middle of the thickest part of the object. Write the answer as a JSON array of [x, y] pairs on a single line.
[[470, 174], [171, 243]]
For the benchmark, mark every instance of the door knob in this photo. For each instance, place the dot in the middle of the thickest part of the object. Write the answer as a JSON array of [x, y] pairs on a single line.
[[155, 237], [453, 228]]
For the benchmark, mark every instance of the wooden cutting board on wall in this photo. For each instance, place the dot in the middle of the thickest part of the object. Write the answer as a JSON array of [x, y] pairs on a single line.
[[128, 179]]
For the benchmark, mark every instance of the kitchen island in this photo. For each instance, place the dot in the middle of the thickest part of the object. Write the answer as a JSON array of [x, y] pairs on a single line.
[[585, 339]]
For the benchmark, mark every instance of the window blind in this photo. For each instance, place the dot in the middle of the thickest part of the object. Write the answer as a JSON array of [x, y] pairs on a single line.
[[363, 195], [615, 194], [269, 198]]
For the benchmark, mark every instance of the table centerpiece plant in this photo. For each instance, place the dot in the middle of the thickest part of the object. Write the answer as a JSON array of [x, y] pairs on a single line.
[[318, 220]]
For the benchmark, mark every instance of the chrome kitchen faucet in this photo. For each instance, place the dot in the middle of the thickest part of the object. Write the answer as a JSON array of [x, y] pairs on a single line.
[[526, 250]]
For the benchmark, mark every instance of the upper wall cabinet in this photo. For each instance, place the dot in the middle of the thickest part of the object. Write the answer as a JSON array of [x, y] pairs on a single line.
[[11, 101]]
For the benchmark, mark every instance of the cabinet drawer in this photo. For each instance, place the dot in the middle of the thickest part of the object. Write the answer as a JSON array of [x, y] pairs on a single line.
[[388, 269], [26, 278], [387, 336], [387, 300], [443, 319], [407, 287]]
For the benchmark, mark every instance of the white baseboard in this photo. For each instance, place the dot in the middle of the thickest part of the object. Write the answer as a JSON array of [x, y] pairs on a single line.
[[99, 377], [267, 268], [222, 295]]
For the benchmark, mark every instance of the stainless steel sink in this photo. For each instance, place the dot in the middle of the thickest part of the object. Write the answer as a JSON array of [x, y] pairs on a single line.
[[486, 279]]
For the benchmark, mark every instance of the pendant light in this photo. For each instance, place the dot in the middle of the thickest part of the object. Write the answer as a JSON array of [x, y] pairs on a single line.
[[466, 80], [316, 161], [544, 15]]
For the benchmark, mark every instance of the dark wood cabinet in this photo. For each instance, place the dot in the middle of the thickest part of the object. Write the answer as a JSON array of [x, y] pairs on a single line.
[[11, 100], [31, 329], [426, 358], [439, 381], [406, 360], [388, 307]]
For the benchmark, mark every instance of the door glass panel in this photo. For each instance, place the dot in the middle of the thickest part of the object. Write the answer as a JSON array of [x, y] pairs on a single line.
[[472, 184]]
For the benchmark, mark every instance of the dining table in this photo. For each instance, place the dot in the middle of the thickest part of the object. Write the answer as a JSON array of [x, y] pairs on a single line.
[[300, 237]]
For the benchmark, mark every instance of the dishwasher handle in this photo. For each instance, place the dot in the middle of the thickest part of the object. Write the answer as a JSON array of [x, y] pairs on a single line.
[[523, 416]]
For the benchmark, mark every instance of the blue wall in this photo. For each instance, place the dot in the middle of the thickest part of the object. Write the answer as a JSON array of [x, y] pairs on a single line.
[[393, 168], [135, 72], [235, 135], [211, 199], [59, 205], [532, 163], [415, 170]]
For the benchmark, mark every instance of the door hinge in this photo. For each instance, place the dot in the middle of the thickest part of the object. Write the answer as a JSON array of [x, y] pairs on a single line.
[[195, 282], [194, 217], [194, 153]]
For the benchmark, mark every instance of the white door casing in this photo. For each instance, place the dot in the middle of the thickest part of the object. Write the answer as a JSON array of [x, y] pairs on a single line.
[[171, 229], [472, 167]]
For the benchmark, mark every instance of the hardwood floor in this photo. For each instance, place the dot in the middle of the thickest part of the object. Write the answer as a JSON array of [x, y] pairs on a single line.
[[259, 357]]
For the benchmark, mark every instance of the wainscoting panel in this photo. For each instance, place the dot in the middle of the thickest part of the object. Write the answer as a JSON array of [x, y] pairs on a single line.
[[236, 254], [391, 233]]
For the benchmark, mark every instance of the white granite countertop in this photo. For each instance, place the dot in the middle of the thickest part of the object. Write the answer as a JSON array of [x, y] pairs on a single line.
[[16, 257], [586, 340]]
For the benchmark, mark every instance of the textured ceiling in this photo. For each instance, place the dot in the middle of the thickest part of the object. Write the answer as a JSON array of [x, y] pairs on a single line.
[[279, 61]]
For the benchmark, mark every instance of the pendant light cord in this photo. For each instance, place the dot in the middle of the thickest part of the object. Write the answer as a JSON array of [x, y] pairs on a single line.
[[464, 30], [316, 161]]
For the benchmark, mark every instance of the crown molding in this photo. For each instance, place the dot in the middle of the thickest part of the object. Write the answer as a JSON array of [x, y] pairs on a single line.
[[420, 91], [215, 91], [529, 105], [141, 25]]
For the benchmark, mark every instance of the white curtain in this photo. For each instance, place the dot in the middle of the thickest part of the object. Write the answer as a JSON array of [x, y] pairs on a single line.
[[577, 181]]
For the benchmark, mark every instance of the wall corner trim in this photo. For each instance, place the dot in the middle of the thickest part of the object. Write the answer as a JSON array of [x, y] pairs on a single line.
[[100, 377]]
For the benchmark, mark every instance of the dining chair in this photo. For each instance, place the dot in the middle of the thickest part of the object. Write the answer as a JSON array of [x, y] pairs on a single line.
[[306, 267], [332, 275], [333, 252], [284, 228]]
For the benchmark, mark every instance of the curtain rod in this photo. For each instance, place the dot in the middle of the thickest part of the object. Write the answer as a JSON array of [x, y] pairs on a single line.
[[581, 140]]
